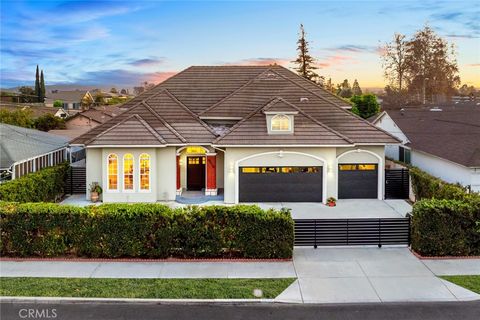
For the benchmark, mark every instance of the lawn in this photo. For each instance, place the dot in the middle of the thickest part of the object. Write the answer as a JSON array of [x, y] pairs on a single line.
[[470, 282], [143, 288]]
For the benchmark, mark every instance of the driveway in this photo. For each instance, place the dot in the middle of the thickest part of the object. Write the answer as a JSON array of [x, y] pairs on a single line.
[[365, 274], [347, 208]]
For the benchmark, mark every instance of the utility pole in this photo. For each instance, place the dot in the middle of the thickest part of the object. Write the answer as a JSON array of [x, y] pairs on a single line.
[[424, 90]]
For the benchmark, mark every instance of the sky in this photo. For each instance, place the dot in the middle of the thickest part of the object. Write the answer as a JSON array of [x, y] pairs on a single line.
[[124, 43]]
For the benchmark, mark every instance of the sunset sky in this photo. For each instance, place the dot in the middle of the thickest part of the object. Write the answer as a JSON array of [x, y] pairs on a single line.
[[123, 43]]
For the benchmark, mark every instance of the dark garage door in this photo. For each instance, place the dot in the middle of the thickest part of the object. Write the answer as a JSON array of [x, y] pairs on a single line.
[[357, 181], [280, 184]]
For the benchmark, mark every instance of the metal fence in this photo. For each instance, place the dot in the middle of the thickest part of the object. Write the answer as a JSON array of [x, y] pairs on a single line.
[[352, 232], [397, 183]]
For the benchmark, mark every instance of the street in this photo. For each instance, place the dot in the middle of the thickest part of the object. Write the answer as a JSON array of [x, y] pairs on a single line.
[[380, 311]]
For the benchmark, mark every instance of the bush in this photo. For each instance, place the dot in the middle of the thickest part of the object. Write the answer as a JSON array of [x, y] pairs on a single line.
[[446, 227], [44, 185], [144, 231], [426, 186]]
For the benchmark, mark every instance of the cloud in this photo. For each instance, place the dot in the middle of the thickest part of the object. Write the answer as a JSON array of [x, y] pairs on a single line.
[[148, 62], [260, 62], [355, 48], [462, 36], [121, 77], [473, 65], [334, 61]]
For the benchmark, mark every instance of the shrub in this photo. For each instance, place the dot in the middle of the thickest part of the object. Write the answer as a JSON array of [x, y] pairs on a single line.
[[144, 231], [446, 227], [44, 185], [426, 186]]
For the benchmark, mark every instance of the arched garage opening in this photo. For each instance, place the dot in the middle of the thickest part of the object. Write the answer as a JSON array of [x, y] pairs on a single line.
[[281, 176], [359, 175]]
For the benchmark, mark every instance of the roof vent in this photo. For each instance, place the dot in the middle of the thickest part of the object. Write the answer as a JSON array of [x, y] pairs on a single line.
[[304, 99], [435, 109]]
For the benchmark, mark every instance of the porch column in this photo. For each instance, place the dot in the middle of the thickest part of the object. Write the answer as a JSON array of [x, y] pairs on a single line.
[[211, 189], [179, 185]]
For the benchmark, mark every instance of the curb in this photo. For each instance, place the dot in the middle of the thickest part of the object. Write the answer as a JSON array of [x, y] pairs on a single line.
[[419, 256], [130, 300], [142, 260]]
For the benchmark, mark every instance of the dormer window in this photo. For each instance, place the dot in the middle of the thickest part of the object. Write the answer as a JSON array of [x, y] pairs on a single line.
[[281, 122]]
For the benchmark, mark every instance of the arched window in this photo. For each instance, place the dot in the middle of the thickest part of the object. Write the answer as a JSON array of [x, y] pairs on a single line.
[[144, 171], [280, 122], [128, 172], [112, 172]]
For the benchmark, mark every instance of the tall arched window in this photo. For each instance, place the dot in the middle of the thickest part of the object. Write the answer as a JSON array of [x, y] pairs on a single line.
[[112, 172], [144, 172], [280, 122], [128, 172]]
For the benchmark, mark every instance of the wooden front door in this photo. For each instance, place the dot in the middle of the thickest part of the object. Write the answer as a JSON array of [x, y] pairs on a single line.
[[195, 173]]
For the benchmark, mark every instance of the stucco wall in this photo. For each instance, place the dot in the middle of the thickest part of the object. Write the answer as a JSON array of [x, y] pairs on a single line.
[[81, 122], [166, 173], [93, 168]]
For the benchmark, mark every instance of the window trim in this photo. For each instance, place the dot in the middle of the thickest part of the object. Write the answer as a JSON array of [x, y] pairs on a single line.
[[108, 174], [279, 116], [149, 173], [133, 173]]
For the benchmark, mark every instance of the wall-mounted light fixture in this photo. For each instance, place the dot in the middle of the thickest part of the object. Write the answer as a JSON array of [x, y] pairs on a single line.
[[231, 168], [280, 154], [329, 168]]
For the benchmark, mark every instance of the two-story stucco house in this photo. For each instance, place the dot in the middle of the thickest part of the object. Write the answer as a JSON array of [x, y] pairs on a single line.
[[251, 133]]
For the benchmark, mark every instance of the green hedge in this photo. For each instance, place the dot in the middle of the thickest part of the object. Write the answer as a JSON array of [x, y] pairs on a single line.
[[44, 185], [426, 186], [446, 227], [144, 231]]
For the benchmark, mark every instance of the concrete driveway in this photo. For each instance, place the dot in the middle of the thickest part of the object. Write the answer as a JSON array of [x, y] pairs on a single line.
[[347, 208], [365, 274]]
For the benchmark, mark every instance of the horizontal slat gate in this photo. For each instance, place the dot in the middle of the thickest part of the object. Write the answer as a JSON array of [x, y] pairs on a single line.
[[351, 232], [397, 183], [76, 180]]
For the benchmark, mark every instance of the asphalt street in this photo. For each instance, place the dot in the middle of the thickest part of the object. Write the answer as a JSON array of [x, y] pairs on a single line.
[[215, 311]]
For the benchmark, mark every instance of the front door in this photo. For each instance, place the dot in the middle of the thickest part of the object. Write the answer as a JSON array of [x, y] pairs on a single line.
[[195, 173]]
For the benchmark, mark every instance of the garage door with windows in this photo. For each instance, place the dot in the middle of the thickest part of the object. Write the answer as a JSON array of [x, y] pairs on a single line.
[[280, 184], [357, 181]]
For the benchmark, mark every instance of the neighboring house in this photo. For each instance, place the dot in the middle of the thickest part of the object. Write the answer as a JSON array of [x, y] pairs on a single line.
[[37, 111], [72, 100], [25, 150], [444, 142], [253, 133]]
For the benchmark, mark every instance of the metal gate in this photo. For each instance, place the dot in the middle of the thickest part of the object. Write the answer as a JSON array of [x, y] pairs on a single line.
[[352, 232], [397, 184], [76, 180]]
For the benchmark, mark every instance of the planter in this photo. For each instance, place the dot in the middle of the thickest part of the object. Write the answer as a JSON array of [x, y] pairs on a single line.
[[331, 204], [94, 196]]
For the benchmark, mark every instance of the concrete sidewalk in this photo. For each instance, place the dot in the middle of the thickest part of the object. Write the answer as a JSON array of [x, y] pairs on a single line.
[[447, 267]]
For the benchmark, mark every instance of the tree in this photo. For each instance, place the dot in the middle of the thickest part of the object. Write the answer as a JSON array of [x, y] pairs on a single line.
[[356, 90], [138, 90], [113, 90], [20, 117], [344, 90], [42, 88], [305, 62], [38, 91], [49, 122], [58, 104], [99, 98], [87, 102], [394, 61], [124, 92], [27, 94], [365, 105], [329, 86]]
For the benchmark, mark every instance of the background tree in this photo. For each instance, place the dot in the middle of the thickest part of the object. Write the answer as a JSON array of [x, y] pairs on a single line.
[[344, 90], [27, 94], [48, 122], [20, 117], [42, 87], [37, 84], [365, 105], [138, 90], [394, 61], [356, 90], [58, 104], [99, 98], [305, 62], [87, 102], [113, 90], [123, 91], [329, 86]]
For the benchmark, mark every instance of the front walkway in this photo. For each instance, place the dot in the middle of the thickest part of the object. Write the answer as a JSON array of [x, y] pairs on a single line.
[[325, 275]]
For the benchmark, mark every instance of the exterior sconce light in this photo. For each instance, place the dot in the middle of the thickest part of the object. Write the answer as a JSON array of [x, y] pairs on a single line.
[[280, 154], [230, 168], [329, 168]]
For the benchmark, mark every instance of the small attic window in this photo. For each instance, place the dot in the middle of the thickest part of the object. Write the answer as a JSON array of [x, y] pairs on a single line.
[[281, 122]]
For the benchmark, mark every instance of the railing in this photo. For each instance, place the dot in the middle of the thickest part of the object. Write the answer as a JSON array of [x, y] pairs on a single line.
[[352, 232]]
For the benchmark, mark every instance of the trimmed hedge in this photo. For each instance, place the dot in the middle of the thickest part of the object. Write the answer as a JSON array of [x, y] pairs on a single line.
[[447, 227], [426, 186], [144, 231], [44, 185]]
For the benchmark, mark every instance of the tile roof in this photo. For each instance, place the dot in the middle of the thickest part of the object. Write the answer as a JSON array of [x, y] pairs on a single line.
[[452, 134], [66, 96], [17, 143], [175, 108]]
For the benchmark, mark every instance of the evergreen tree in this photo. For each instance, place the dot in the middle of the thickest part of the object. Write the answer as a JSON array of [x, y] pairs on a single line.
[[356, 90], [345, 89], [42, 87], [305, 62], [37, 84]]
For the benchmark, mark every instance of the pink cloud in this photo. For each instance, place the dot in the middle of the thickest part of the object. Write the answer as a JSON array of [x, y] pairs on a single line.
[[335, 60], [473, 65]]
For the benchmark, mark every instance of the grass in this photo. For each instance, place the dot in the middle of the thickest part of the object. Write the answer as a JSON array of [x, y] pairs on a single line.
[[470, 282], [142, 288]]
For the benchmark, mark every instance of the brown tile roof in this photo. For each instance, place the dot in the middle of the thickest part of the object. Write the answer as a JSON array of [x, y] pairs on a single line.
[[65, 96], [452, 134], [176, 105]]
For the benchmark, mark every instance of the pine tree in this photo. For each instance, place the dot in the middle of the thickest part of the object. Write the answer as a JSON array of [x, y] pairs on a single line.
[[42, 87], [345, 90], [356, 90], [37, 84], [304, 60]]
